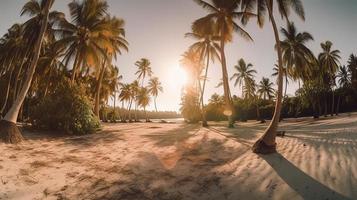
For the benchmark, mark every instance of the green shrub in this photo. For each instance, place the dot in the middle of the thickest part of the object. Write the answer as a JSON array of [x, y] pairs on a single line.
[[66, 109]]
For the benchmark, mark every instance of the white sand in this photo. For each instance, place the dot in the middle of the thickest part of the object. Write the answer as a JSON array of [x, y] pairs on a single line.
[[316, 160]]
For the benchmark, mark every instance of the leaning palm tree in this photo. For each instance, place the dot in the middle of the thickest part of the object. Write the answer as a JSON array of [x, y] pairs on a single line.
[[144, 69], [329, 60], [221, 16], [265, 89], [143, 97], [155, 88], [207, 46], [266, 144], [244, 73], [8, 130]]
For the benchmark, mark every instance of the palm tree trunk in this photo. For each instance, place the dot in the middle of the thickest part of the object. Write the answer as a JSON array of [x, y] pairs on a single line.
[[338, 104], [155, 103], [333, 102], [98, 88], [75, 66], [204, 120], [114, 113], [325, 113], [229, 110], [8, 130], [266, 144], [258, 112]]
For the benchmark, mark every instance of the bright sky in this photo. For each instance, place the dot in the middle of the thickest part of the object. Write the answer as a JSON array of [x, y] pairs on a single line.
[[156, 28]]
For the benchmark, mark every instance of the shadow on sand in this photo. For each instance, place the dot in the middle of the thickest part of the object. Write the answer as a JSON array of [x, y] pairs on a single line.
[[306, 186]]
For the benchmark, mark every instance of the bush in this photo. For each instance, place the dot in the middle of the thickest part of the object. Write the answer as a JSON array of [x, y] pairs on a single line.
[[66, 109]]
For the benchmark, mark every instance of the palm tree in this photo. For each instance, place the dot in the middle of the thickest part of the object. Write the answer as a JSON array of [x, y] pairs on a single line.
[[144, 69], [126, 95], [329, 60], [208, 47], [286, 75], [249, 89], [352, 67], [117, 42], [244, 74], [134, 87], [221, 15], [86, 34], [144, 100], [11, 46], [154, 88], [8, 130], [266, 144], [265, 89], [298, 59], [344, 81]]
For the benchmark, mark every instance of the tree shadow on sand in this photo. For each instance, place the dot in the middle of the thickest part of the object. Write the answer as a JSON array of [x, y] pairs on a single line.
[[306, 186]]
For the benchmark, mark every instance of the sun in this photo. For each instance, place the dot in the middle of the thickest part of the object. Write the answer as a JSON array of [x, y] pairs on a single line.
[[178, 77]]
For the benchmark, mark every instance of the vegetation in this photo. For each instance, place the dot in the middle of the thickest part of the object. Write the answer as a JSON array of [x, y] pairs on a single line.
[[40, 57], [66, 109]]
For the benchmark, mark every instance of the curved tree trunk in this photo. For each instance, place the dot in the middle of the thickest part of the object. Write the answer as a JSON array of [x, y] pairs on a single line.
[[98, 88], [229, 110], [266, 144], [204, 120], [75, 67], [9, 132]]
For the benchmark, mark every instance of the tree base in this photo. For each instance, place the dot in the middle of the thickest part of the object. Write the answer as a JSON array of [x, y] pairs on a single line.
[[10, 133], [260, 147], [204, 124]]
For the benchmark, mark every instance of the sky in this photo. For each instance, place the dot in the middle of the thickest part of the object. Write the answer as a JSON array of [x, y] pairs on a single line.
[[155, 30]]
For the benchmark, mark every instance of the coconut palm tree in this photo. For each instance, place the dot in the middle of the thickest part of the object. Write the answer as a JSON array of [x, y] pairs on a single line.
[[144, 69], [352, 67], [11, 46], [344, 81], [266, 144], [222, 14], [135, 90], [155, 88], [116, 43], [143, 98], [329, 60], [265, 89], [244, 74], [207, 45], [8, 130], [297, 57], [286, 75], [86, 34], [126, 95], [249, 89]]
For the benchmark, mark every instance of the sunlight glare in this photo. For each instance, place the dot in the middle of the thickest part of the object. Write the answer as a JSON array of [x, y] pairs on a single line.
[[178, 77]]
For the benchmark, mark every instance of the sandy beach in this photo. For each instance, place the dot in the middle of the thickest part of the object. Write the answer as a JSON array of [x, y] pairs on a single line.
[[317, 159]]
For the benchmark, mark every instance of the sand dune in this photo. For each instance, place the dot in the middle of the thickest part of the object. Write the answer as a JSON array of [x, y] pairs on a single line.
[[317, 159]]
